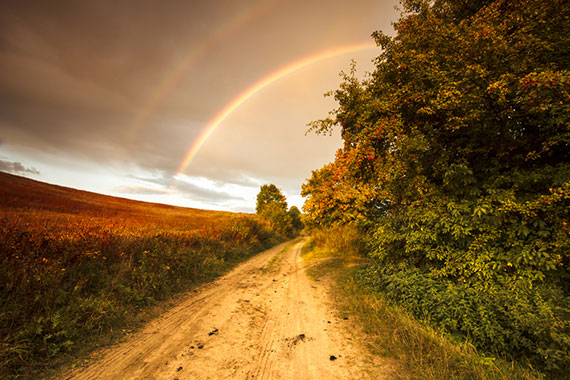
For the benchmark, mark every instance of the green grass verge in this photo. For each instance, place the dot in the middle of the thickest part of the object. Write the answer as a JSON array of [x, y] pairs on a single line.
[[421, 351]]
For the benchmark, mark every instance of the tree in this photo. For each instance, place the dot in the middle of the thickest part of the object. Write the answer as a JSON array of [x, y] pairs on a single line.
[[295, 215], [270, 194], [334, 196], [457, 153], [459, 141], [278, 218], [272, 206]]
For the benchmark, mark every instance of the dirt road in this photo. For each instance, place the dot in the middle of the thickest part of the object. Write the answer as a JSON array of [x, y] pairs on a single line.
[[263, 320]]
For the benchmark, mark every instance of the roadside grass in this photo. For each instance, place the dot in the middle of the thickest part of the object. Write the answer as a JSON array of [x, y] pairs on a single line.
[[421, 351]]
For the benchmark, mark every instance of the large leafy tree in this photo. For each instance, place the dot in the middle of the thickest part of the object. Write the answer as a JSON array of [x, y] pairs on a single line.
[[333, 196], [458, 147], [295, 215], [461, 137], [272, 206], [270, 194]]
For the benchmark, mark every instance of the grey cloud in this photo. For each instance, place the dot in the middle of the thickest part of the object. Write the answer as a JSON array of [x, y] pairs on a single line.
[[190, 191], [142, 190], [16, 168], [197, 193]]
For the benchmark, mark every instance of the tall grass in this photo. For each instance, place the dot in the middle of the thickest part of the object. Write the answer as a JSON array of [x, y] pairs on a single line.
[[76, 267]]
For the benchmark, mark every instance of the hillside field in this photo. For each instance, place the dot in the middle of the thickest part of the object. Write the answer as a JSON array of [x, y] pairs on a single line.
[[77, 266]]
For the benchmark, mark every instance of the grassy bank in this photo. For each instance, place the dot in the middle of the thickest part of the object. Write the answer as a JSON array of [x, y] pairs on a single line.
[[80, 268], [422, 351]]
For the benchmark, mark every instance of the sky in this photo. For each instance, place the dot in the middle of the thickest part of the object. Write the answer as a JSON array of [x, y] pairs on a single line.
[[192, 103]]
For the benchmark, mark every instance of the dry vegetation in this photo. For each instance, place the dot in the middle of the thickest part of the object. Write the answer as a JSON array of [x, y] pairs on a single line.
[[76, 266]]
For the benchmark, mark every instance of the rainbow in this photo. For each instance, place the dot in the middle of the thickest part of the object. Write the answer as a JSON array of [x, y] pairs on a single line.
[[258, 86], [171, 80]]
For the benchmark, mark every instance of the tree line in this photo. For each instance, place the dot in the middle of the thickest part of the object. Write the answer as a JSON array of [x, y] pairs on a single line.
[[455, 168], [271, 205]]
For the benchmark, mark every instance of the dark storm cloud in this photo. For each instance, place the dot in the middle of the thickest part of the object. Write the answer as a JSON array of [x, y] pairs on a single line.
[[16, 168], [119, 45], [77, 75], [82, 71]]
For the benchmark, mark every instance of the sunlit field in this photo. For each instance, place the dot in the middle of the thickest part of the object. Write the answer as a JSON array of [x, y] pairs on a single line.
[[75, 265]]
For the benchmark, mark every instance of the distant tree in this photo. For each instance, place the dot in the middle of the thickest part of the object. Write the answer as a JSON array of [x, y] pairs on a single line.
[[295, 215], [270, 194], [278, 218], [272, 206]]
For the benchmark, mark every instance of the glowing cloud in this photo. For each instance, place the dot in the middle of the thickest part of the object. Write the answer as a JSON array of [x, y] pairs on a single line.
[[258, 86]]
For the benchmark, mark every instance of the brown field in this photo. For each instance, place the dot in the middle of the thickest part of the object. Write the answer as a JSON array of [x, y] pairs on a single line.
[[48, 205], [75, 266]]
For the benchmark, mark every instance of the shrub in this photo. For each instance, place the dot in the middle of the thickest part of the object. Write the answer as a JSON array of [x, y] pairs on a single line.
[[526, 326]]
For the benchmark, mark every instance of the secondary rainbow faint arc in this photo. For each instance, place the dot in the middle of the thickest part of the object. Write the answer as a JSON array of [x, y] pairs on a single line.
[[258, 86], [174, 77]]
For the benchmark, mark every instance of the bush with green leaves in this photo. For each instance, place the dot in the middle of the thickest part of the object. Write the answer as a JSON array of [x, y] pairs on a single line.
[[272, 206], [529, 326], [457, 151]]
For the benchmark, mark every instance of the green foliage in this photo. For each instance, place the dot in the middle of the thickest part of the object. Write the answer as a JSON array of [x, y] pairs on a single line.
[[421, 351], [272, 206], [457, 158], [499, 320], [270, 194], [295, 215], [278, 218]]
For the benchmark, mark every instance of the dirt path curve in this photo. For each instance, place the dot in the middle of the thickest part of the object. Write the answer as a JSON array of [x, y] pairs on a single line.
[[263, 320]]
